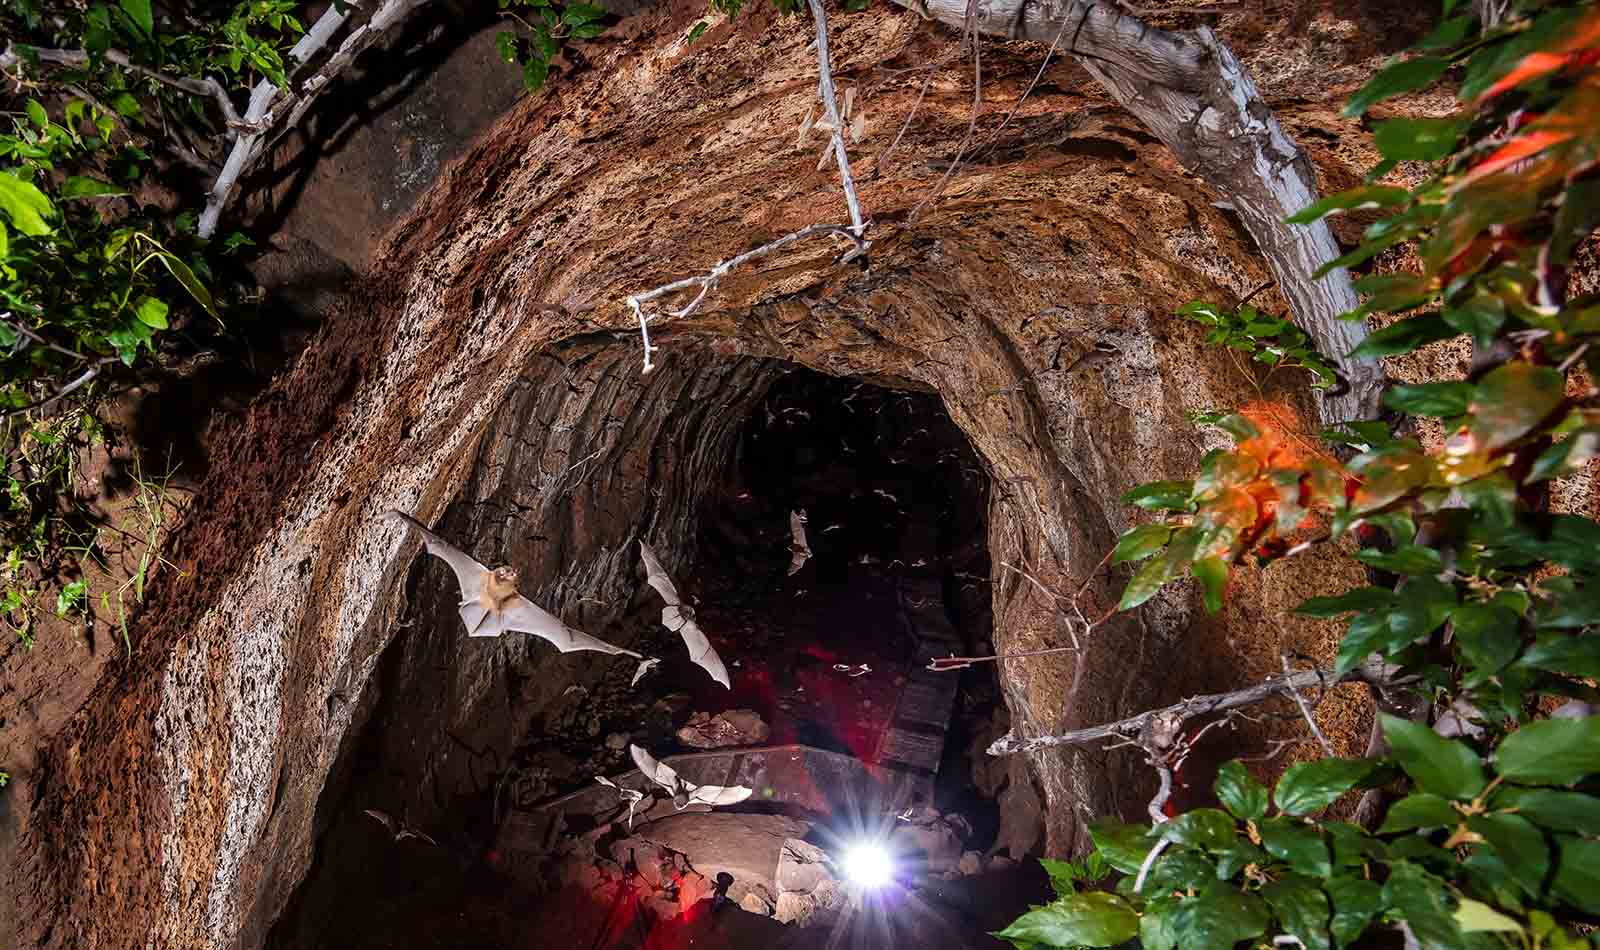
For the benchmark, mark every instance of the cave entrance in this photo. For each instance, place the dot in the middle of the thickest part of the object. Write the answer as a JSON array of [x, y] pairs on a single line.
[[829, 655]]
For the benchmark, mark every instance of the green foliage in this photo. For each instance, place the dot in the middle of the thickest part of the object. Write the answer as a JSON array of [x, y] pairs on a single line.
[[1275, 341], [1480, 596], [546, 26]]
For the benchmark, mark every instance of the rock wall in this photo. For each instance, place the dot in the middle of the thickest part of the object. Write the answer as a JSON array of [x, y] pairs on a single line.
[[478, 377]]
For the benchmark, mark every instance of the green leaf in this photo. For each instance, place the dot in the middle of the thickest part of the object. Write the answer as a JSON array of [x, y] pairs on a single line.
[[1565, 457], [1577, 655], [1519, 844], [1407, 559], [1362, 598], [534, 73], [697, 31], [1425, 604], [191, 283], [1160, 496], [1511, 400], [1473, 917], [1430, 399], [1298, 845], [1560, 811], [506, 43], [1395, 79], [77, 186], [1370, 196], [1180, 869], [1302, 907], [1158, 928], [1239, 792], [1220, 917], [586, 12], [1481, 316], [587, 31], [1419, 810], [151, 312], [139, 12], [1139, 543], [1063, 876], [1209, 828], [1212, 572], [1310, 786], [1438, 765], [1577, 877], [1423, 901], [1405, 336], [25, 205], [1368, 633], [1124, 846], [1416, 140], [1237, 857], [1093, 919], [1450, 32], [1355, 903], [1487, 637], [37, 114], [1550, 752], [1567, 604], [71, 596]]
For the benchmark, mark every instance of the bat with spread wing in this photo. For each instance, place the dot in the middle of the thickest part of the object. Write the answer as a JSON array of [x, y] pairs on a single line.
[[685, 793], [397, 829], [631, 795], [679, 618], [799, 550], [490, 604]]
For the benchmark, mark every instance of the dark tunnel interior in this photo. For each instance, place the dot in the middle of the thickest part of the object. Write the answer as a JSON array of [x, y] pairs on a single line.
[[894, 505]]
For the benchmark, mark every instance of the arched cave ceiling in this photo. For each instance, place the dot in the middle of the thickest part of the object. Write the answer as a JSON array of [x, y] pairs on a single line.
[[488, 354]]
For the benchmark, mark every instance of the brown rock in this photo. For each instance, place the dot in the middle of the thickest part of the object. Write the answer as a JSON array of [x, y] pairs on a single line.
[[733, 727]]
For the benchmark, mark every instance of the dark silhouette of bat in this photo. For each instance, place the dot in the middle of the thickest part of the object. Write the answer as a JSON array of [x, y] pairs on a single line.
[[490, 604], [679, 618]]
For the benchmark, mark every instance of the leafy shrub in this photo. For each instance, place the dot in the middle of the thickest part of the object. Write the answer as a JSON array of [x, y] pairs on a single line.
[[1484, 602]]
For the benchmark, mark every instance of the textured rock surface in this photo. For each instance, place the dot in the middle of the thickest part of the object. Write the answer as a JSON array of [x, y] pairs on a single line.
[[487, 379]]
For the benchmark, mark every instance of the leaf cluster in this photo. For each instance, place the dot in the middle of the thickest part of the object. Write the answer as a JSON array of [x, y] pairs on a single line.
[[547, 25]]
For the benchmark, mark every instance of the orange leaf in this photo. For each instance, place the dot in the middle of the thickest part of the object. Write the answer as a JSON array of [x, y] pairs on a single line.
[[1519, 148], [1584, 35]]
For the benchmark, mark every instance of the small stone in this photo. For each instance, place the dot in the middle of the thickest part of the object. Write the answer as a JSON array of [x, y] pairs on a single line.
[[617, 741], [734, 727], [971, 863], [756, 904]]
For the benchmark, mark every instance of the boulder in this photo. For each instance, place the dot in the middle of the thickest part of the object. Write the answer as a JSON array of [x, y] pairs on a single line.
[[684, 853], [808, 893], [733, 727]]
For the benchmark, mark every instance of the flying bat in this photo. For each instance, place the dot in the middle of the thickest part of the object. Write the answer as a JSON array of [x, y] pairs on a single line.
[[799, 550], [398, 830], [685, 793], [632, 795], [679, 618], [490, 604]]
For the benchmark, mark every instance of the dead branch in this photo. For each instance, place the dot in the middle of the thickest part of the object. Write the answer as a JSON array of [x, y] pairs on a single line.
[[273, 110], [830, 102], [1372, 672]]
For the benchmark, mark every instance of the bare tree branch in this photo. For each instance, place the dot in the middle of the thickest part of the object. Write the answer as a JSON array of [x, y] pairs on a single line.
[[273, 109], [1372, 672], [830, 102], [1316, 730]]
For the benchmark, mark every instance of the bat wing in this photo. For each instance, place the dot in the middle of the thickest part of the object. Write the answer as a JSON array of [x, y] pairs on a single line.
[[680, 621], [800, 549], [662, 775], [657, 576], [522, 614], [469, 573], [382, 818], [701, 651], [719, 794]]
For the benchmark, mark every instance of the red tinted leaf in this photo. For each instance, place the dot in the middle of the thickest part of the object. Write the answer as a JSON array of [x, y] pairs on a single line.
[[1519, 148], [1584, 34]]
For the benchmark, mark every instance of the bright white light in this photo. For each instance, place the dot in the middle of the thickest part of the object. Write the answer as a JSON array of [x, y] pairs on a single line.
[[868, 865]]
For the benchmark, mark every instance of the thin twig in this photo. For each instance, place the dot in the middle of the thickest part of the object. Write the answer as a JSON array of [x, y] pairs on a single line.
[[994, 137], [945, 664], [77, 57], [1375, 673], [83, 380], [1311, 721]]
